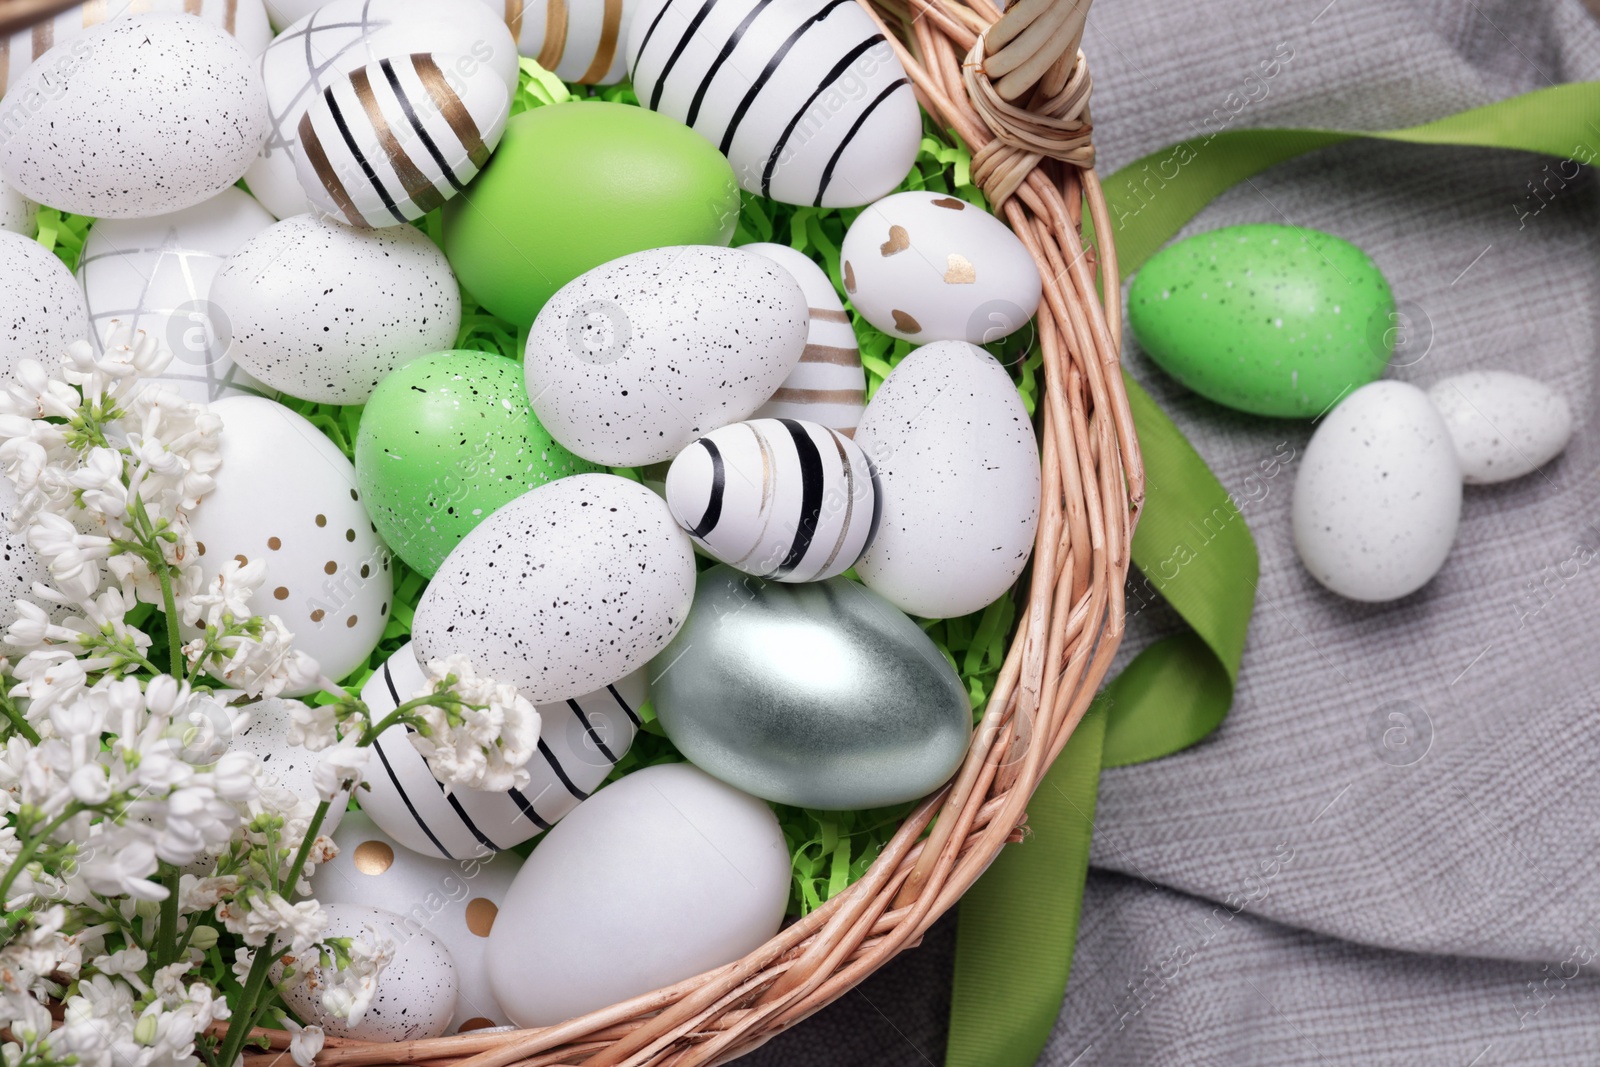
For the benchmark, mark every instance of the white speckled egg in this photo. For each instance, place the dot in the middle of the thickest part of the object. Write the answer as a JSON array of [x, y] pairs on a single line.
[[567, 589], [286, 495], [20, 567], [958, 474], [1504, 425], [658, 877], [580, 740], [336, 38], [395, 139], [286, 766], [41, 306], [805, 97], [154, 274], [189, 115], [828, 386], [321, 311], [246, 20], [17, 213], [1378, 496], [454, 901], [588, 44], [779, 498], [417, 991], [932, 267], [630, 362]]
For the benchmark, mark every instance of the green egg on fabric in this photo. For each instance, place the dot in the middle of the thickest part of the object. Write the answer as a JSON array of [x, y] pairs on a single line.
[[444, 441], [1268, 319], [576, 185]]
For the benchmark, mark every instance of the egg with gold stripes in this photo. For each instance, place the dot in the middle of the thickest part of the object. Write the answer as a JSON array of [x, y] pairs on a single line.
[[393, 140], [580, 40], [246, 20], [780, 498], [580, 740], [806, 98], [828, 386]]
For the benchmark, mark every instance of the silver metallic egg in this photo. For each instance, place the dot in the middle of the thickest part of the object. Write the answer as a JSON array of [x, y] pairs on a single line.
[[822, 695]]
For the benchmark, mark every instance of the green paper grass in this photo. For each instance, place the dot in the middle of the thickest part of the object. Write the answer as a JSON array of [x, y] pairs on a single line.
[[829, 849]]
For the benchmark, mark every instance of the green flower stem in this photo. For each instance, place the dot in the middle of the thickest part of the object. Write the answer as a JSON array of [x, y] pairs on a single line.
[[167, 929], [170, 604], [25, 857], [23, 726], [251, 1005]]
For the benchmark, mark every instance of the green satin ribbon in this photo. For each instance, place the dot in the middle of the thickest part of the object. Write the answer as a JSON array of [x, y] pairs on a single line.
[[1019, 922]]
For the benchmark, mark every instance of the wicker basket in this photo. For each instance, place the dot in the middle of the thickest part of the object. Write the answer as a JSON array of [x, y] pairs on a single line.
[[1016, 90]]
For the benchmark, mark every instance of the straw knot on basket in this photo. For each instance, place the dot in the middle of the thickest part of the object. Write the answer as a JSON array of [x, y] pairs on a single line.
[[1055, 127]]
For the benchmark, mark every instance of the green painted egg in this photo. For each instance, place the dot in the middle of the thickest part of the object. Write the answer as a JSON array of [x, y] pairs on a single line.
[[444, 441], [576, 185], [1273, 320]]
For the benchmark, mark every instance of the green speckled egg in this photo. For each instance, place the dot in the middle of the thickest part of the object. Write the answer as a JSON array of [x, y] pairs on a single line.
[[444, 441], [1273, 320]]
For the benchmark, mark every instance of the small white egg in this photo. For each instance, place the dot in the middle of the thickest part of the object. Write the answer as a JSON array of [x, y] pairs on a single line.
[[41, 307], [958, 473], [322, 311], [630, 362], [659, 876], [580, 740], [1378, 495], [567, 589], [779, 498], [829, 385], [154, 274], [189, 115], [455, 901], [328, 41], [287, 496], [417, 990], [931, 267], [285, 766], [1504, 425], [397, 138]]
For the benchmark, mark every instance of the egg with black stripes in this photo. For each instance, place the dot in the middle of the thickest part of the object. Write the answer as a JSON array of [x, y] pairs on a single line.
[[783, 499], [393, 140], [806, 98], [580, 741], [828, 385]]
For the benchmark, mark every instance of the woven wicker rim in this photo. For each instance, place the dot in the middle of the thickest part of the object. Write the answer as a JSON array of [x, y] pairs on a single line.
[[1016, 89]]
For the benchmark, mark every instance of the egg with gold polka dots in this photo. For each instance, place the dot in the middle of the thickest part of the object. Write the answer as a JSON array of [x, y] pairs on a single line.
[[926, 266], [287, 496], [454, 901]]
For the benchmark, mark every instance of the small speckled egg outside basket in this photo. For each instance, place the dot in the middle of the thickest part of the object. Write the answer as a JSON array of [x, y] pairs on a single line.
[[1016, 89]]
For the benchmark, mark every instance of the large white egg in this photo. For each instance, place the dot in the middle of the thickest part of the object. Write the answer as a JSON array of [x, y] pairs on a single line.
[[329, 42], [154, 274], [41, 306], [417, 990], [1504, 425], [322, 311], [286, 766], [246, 20], [931, 267], [958, 473], [286, 495], [630, 362], [580, 40], [580, 740], [140, 116], [567, 589], [1378, 496], [17, 213], [397, 138], [828, 386], [454, 901], [778, 498], [805, 97], [658, 877]]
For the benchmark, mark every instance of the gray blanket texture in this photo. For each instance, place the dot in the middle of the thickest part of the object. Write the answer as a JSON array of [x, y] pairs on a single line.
[[1389, 852]]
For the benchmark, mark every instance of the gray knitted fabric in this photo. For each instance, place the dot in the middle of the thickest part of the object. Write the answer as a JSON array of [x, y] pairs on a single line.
[[1388, 853]]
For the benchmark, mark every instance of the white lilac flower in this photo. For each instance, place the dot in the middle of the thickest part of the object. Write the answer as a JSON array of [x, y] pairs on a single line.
[[339, 768], [483, 741], [349, 992], [305, 1043]]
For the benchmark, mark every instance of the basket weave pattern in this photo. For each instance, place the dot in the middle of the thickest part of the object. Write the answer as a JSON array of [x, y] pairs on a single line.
[[1016, 89]]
